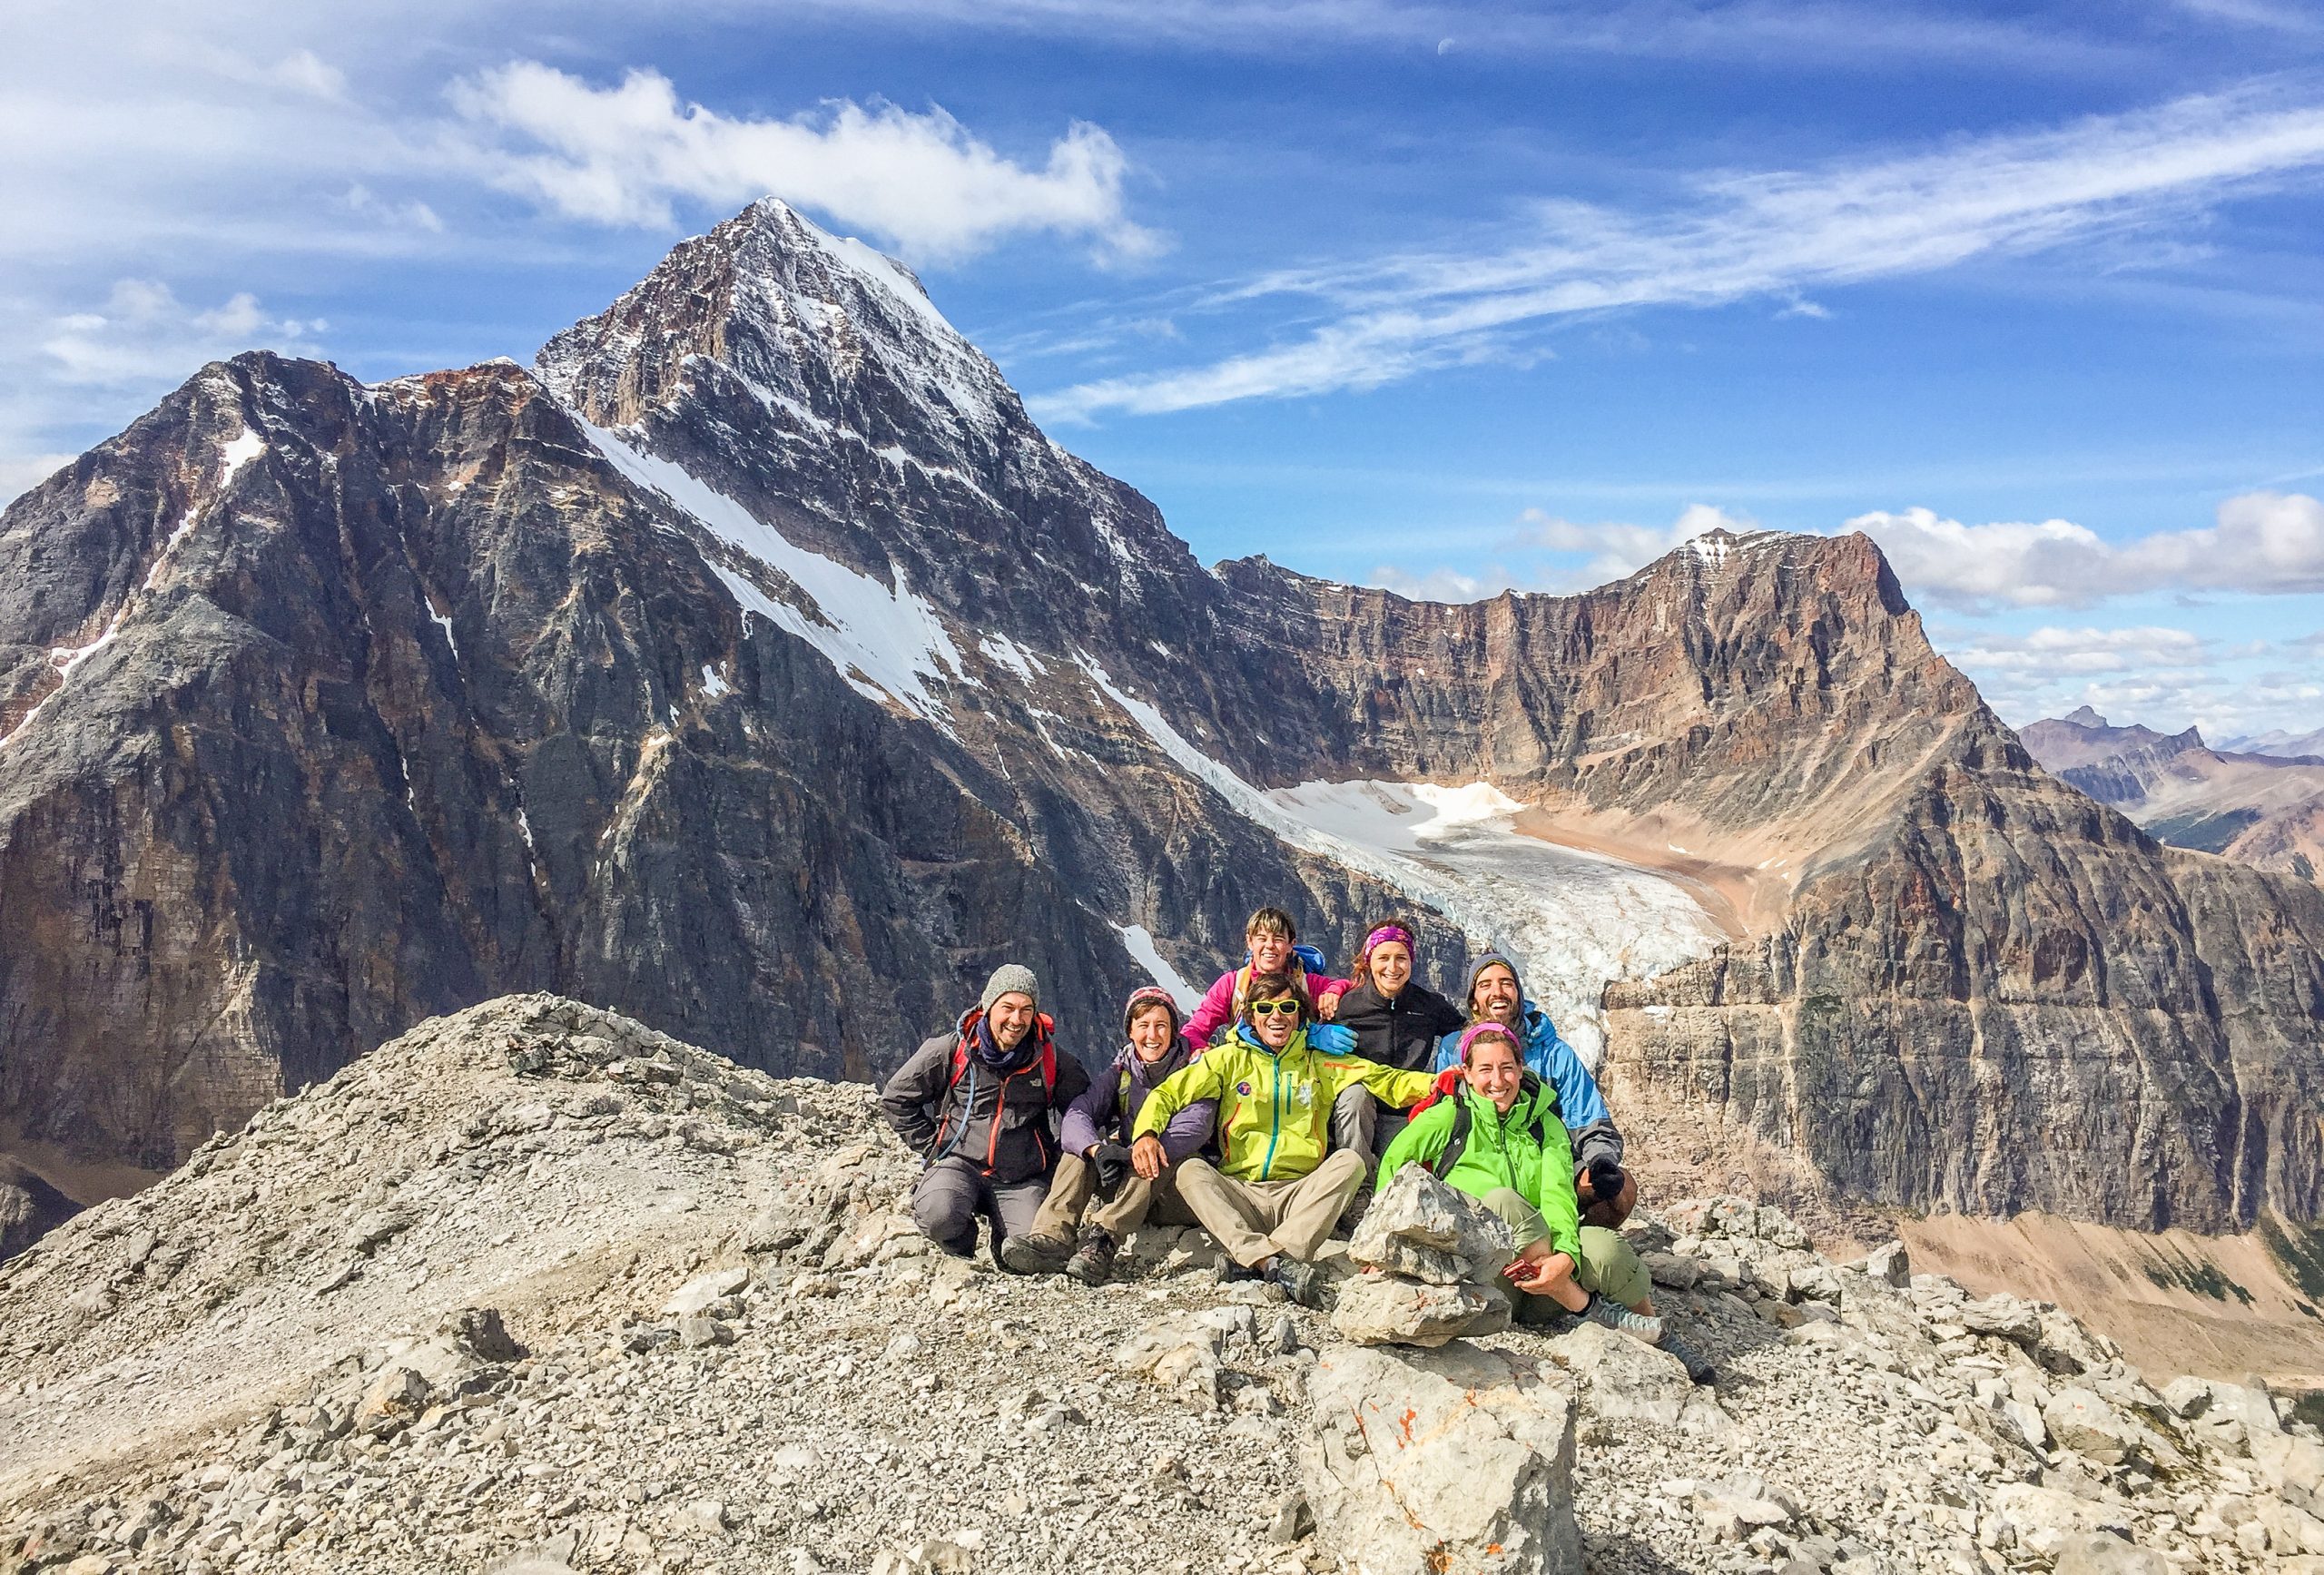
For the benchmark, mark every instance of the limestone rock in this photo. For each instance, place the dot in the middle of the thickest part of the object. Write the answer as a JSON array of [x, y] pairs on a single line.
[[1624, 1379], [1419, 1227], [2012, 1318], [2082, 1421], [1891, 1264], [1455, 1460], [1380, 1309], [2085, 1554]]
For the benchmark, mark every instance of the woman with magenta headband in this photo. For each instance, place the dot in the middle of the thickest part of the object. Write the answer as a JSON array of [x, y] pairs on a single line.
[[1396, 1020]]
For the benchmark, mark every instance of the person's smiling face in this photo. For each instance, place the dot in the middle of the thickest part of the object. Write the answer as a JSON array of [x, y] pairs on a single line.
[[1150, 1032], [1496, 999], [1494, 1070], [1275, 1019], [1010, 1016], [1270, 950], [1391, 968]]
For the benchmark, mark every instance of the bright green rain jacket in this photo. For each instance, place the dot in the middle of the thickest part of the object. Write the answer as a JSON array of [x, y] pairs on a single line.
[[1274, 1107], [1501, 1151]]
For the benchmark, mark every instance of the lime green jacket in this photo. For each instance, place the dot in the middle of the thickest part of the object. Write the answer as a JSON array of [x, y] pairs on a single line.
[[1274, 1107], [1501, 1151]]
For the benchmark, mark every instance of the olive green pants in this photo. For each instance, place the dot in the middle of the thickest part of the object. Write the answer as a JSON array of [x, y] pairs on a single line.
[[1606, 1262]]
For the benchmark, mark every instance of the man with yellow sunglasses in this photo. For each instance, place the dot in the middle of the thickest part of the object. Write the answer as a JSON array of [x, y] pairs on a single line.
[[1279, 1186]]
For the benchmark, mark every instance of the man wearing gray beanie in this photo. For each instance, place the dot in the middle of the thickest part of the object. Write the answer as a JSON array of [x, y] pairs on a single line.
[[980, 1103]]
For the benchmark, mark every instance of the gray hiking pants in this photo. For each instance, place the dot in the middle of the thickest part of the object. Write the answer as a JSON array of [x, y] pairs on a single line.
[[1362, 1124], [953, 1193]]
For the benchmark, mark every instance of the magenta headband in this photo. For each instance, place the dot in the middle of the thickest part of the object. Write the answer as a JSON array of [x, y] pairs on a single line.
[[1479, 1030], [1389, 932]]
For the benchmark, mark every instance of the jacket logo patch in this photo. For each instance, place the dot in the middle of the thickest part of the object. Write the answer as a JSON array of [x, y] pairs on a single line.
[[1244, 1090]]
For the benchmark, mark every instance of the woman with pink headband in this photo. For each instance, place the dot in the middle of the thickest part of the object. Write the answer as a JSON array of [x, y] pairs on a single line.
[[1397, 1021]]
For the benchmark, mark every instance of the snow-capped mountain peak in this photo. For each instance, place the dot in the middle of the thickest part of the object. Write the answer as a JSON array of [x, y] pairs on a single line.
[[830, 336]]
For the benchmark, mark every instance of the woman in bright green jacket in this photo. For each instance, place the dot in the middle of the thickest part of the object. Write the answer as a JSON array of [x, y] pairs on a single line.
[[1496, 1135]]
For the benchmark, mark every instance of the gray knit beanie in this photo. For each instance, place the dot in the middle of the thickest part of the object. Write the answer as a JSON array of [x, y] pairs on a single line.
[[1008, 977]]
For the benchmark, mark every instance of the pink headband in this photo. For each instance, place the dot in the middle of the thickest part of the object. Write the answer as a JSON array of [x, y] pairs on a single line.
[[1389, 932], [1469, 1036]]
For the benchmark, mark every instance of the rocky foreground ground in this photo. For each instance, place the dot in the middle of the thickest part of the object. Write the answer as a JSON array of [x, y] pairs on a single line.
[[533, 1288]]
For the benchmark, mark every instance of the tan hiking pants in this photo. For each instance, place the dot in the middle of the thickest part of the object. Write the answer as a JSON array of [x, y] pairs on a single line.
[[1073, 1202], [1255, 1220]]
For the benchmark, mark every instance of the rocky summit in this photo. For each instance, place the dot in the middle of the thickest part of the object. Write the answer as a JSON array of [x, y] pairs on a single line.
[[753, 664], [537, 1288]]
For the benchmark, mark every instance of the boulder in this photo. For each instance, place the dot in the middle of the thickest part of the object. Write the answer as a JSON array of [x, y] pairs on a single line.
[[2046, 1518], [1625, 1380], [2085, 1554], [1890, 1263], [2291, 1466], [1383, 1309], [1670, 1269], [2082, 1421], [704, 1291], [1421, 1228], [2012, 1318], [1180, 1354], [2188, 1398], [1438, 1463]]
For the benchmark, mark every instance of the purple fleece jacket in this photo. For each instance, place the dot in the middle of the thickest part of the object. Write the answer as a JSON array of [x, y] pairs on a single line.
[[1104, 1113]]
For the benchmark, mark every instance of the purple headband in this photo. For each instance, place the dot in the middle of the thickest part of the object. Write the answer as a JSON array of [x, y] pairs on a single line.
[[1389, 932], [1469, 1036]]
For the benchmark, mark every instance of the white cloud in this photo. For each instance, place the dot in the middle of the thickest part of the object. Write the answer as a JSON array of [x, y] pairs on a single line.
[[624, 154], [2263, 542], [2050, 651], [1617, 550], [1443, 585], [20, 475], [1744, 235], [145, 332]]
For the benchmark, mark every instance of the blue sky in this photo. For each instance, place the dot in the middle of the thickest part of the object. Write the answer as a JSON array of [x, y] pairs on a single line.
[[1440, 296]]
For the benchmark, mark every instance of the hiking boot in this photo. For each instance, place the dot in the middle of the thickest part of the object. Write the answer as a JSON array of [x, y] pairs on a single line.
[[1698, 1367], [1035, 1255], [1303, 1283], [1227, 1272], [1614, 1315], [1093, 1264]]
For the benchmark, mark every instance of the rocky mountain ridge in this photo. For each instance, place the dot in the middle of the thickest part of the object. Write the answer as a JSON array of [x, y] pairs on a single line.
[[537, 1288], [2265, 809], [755, 665]]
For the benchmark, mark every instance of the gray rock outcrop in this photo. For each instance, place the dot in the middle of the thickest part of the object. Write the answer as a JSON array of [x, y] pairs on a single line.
[[204, 1377], [1434, 1463]]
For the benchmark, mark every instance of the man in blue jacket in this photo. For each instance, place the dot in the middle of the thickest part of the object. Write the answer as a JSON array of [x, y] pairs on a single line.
[[1607, 1191]]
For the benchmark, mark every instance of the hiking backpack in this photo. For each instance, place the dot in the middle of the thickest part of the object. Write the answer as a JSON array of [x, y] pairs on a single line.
[[1044, 1030], [1447, 1083]]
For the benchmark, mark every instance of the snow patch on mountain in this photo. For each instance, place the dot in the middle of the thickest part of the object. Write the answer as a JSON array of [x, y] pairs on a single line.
[[1139, 941], [885, 642], [244, 449], [1572, 921]]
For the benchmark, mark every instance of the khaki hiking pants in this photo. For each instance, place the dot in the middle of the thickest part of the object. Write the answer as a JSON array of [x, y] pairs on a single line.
[[1606, 1262], [1073, 1202], [1255, 1220]]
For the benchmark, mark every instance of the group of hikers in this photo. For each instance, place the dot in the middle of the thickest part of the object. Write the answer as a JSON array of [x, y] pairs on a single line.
[[1269, 1115]]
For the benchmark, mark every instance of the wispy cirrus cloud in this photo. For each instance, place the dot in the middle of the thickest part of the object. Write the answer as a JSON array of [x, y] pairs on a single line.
[[1774, 234]]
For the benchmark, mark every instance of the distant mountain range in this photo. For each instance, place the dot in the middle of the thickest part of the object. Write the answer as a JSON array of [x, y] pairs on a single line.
[[751, 664], [2261, 804], [2286, 746]]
